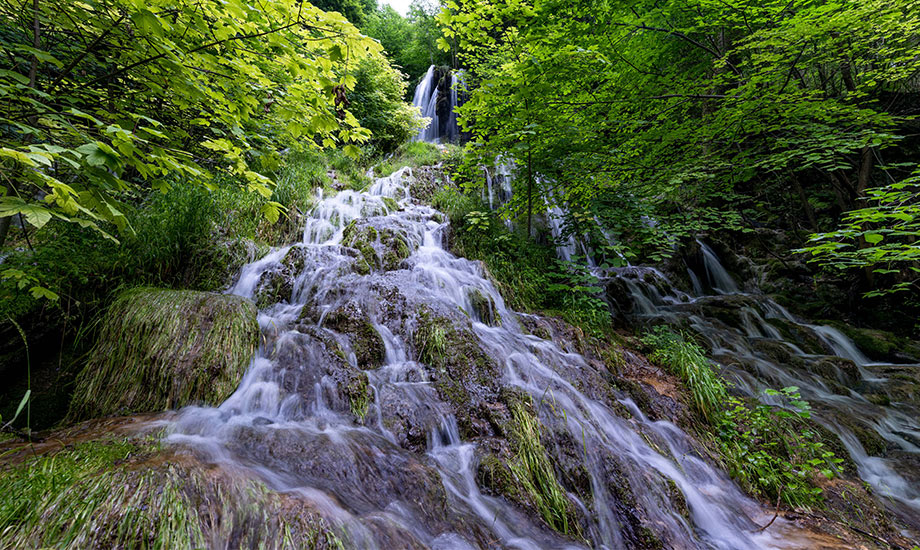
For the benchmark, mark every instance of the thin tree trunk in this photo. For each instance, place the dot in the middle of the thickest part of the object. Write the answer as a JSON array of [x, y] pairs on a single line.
[[809, 211], [4, 229], [529, 192]]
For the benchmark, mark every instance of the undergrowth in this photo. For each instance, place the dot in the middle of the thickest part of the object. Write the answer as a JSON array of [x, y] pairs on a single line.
[[772, 451], [161, 349], [529, 275], [412, 154]]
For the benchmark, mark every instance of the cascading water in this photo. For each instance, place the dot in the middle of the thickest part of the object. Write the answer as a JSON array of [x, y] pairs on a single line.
[[374, 440], [427, 98], [760, 345]]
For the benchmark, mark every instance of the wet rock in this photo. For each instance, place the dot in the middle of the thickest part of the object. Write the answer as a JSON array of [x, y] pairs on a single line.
[[364, 471], [463, 374], [381, 243], [483, 308], [366, 343]]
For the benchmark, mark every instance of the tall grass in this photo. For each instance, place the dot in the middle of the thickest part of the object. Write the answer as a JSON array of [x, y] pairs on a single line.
[[684, 358], [161, 349], [534, 470]]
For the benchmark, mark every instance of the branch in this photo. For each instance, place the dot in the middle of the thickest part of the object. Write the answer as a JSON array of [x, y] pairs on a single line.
[[205, 46]]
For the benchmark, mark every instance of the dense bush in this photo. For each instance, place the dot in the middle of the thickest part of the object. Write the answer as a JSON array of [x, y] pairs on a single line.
[[377, 102]]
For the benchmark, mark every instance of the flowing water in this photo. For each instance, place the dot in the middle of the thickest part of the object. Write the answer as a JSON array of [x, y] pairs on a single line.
[[760, 345], [395, 471], [427, 98]]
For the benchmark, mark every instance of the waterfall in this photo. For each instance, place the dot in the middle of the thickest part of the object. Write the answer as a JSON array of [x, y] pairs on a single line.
[[393, 468], [761, 345], [427, 98], [719, 279]]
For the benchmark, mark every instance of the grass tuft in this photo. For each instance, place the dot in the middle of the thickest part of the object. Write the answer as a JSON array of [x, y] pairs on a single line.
[[684, 358], [160, 349], [533, 469]]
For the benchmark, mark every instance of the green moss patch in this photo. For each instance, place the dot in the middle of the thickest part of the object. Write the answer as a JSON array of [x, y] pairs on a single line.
[[383, 249], [161, 349], [127, 494]]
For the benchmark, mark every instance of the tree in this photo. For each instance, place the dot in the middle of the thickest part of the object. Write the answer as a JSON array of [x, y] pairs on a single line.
[[100, 100], [691, 110]]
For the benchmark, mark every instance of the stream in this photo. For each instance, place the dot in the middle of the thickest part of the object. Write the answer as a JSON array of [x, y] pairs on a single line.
[[401, 475]]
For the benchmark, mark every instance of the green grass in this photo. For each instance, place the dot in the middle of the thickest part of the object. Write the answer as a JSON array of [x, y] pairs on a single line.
[[534, 471], [772, 452], [161, 349], [685, 359], [413, 154], [119, 493]]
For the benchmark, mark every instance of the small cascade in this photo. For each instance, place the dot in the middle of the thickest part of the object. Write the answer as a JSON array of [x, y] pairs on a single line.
[[718, 277], [761, 345], [437, 98], [345, 405]]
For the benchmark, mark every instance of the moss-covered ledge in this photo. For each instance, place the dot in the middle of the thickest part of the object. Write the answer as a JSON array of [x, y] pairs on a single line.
[[161, 349]]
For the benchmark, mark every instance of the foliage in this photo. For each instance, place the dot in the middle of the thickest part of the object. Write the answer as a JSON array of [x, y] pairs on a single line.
[[99, 100], [377, 101], [413, 154], [881, 237], [691, 115], [163, 349], [528, 275], [410, 42], [773, 451], [686, 360]]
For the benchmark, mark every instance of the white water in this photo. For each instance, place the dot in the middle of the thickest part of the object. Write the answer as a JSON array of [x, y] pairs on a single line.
[[427, 98], [840, 396], [287, 424]]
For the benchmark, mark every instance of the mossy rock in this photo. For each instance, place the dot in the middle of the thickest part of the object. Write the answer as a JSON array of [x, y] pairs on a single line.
[[127, 493], [462, 373], [277, 285], [163, 349], [383, 249], [483, 308], [366, 342], [880, 345]]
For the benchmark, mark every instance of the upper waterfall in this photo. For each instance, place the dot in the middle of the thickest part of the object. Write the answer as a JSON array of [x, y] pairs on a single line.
[[437, 98]]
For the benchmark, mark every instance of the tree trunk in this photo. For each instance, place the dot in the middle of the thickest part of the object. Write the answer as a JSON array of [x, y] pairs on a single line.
[[809, 211], [529, 193], [4, 229]]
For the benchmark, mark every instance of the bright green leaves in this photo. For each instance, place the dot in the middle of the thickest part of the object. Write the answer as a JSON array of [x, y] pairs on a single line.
[[36, 215], [883, 237], [160, 90]]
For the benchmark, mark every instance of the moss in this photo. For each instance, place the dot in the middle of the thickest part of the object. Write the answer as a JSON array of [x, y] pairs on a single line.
[[161, 349], [358, 392], [464, 375], [484, 308], [391, 204], [366, 342], [494, 475], [879, 344], [121, 493]]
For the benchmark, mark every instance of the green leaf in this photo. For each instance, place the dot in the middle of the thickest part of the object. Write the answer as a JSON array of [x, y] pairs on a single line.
[[874, 238], [42, 292], [22, 405]]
